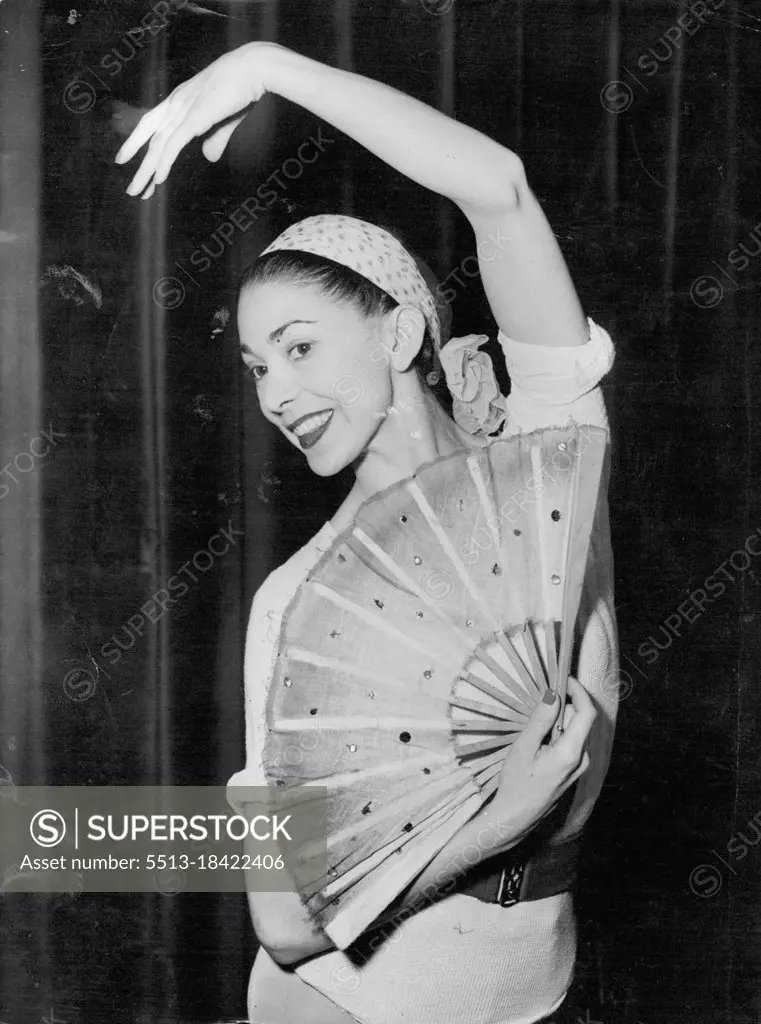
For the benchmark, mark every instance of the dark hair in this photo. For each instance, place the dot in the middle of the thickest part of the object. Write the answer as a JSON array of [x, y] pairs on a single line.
[[344, 284]]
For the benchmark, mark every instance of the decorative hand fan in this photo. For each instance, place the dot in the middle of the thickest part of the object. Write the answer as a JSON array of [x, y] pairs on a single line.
[[416, 649]]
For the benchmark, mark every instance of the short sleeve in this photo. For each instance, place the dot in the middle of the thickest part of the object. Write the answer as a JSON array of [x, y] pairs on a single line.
[[554, 385]]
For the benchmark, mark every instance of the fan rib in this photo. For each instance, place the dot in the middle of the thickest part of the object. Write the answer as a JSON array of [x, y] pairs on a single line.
[[333, 888], [344, 722], [564, 659], [489, 760], [348, 779], [370, 900], [499, 672], [436, 817], [410, 584], [539, 678], [474, 468], [443, 539], [375, 621], [330, 889], [469, 726], [566, 635], [484, 709], [401, 808], [498, 695], [552, 654], [305, 657], [489, 787], [485, 775], [475, 748], [544, 569], [490, 768]]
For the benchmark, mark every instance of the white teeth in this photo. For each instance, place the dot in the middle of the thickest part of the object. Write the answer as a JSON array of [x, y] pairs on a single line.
[[312, 423]]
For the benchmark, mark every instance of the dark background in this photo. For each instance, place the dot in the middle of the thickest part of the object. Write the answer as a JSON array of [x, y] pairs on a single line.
[[650, 185]]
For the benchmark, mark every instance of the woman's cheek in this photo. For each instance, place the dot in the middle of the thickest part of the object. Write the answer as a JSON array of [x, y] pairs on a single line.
[[348, 391]]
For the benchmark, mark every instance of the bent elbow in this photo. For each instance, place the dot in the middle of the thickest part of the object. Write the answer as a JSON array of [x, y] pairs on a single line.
[[288, 950], [284, 954], [281, 929], [515, 185], [502, 191]]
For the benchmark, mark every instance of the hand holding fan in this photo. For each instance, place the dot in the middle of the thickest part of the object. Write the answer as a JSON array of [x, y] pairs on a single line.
[[416, 649]]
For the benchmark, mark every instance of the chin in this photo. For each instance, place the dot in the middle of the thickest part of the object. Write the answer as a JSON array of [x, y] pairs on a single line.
[[327, 464], [333, 460], [330, 456]]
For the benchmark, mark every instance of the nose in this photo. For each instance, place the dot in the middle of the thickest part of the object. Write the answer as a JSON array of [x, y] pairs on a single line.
[[278, 389]]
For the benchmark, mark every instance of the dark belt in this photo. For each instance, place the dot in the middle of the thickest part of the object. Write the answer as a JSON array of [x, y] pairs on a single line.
[[527, 872]]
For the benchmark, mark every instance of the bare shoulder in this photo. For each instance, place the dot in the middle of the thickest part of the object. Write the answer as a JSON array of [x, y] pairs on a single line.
[[278, 587]]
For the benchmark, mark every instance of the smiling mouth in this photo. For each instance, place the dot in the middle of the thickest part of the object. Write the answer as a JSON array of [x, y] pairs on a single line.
[[311, 437]]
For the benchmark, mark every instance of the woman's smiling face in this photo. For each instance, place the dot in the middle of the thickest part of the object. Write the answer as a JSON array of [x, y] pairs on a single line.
[[319, 367]]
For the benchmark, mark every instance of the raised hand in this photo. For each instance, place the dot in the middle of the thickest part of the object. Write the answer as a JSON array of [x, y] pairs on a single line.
[[535, 775], [215, 96]]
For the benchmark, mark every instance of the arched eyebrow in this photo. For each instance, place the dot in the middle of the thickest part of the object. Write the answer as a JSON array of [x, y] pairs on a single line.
[[276, 334]]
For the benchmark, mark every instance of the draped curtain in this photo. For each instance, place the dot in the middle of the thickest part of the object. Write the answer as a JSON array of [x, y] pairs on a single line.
[[119, 362]]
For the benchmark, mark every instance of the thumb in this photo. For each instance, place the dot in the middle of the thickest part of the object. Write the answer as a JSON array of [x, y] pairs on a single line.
[[214, 146], [542, 719]]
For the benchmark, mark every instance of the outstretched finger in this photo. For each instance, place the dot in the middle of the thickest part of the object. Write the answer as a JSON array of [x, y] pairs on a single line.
[[214, 146], [145, 171], [154, 156], [147, 126], [173, 146]]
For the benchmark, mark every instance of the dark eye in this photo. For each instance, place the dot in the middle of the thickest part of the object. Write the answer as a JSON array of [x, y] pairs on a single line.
[[302, 345], [257, 372]]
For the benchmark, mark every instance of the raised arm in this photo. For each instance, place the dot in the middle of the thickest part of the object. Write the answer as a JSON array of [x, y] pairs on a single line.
[[523, 271]]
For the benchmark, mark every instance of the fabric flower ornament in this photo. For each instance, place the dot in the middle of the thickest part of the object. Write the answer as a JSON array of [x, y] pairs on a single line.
[[479, 406]]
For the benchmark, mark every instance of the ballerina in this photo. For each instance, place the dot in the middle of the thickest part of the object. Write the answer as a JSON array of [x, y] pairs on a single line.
[[330, 297]]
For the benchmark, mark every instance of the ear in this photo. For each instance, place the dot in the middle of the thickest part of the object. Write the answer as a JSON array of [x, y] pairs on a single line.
[[404, 330]]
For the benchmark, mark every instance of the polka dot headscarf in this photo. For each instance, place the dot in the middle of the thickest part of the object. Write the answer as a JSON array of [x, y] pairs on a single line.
[[368, 250]]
